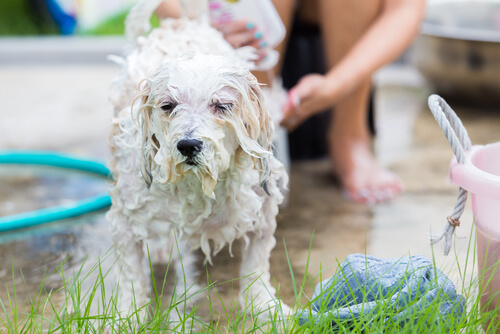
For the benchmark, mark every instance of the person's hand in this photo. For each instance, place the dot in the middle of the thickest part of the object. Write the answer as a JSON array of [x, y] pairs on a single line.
[[241, 33], [311, 95]]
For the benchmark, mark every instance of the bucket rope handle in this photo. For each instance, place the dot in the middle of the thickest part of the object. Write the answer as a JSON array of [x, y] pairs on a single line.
[[460, 142]]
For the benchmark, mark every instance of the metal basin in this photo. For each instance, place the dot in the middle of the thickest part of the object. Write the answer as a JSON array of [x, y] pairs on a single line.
[[458, 50]]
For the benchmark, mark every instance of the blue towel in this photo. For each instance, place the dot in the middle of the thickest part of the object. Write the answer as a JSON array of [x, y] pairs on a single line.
[[364, 284]]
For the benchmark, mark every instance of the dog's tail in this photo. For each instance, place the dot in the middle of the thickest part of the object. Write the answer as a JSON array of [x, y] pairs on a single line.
[[137, 21]]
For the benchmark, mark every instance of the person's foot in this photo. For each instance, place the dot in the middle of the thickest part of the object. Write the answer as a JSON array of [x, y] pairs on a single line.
[[362, 178]]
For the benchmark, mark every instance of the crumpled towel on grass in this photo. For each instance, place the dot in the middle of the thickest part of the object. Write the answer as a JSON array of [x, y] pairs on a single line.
[[399, 287]]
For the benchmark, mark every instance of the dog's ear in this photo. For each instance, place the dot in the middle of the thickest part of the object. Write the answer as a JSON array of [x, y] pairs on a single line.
[[149, 143], [262, 130]]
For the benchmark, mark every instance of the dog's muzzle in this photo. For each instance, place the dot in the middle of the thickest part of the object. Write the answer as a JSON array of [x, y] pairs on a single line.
[[190, 148]]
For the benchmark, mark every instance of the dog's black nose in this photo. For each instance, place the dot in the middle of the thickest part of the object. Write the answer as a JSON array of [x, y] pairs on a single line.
[[189, 147]]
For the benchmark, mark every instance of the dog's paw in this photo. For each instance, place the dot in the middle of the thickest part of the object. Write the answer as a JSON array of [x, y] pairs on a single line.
[[265, 308], [284, 310], [275, 310]]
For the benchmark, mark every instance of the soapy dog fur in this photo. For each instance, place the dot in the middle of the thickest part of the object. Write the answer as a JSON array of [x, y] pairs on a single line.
[[192, 157]]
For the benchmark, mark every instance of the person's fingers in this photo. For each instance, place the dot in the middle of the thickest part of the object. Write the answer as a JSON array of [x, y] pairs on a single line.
[[233, 27], [262, 55], [239, 39], [302, 92], [309, 96], [292, 101], [259, 43], [293, 114], [245, 38], [296, 115], [241, 33], [293, 121], [295, 97], [297, 107], [288, 109]]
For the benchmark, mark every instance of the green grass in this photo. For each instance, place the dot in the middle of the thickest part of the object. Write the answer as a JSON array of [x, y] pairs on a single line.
[[47, 313], [17, 19]]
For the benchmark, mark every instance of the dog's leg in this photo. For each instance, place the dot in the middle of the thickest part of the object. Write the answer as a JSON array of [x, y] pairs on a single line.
[[133, 281], [186, 291], [256, 290], [186, 273], [182, 261]]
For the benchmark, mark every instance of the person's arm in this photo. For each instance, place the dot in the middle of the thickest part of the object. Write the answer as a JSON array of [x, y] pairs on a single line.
[[383, 42]]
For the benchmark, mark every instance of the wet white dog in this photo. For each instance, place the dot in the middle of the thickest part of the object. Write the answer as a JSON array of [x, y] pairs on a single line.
[[192, 158]]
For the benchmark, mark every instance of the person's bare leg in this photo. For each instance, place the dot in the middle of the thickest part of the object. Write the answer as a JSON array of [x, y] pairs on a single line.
[[363, 179]]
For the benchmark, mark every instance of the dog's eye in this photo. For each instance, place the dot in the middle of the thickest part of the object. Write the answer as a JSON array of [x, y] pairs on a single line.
[[168, 106], [223, 107]]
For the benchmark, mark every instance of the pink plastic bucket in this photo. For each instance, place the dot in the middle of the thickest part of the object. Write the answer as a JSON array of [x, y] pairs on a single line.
[[480, 175]]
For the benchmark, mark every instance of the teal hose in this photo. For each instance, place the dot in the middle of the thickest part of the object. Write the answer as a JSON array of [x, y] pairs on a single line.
[[53, 159], [46, 215]]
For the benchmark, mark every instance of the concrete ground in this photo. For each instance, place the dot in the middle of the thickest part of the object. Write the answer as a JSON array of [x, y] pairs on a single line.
[[65, 108]]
